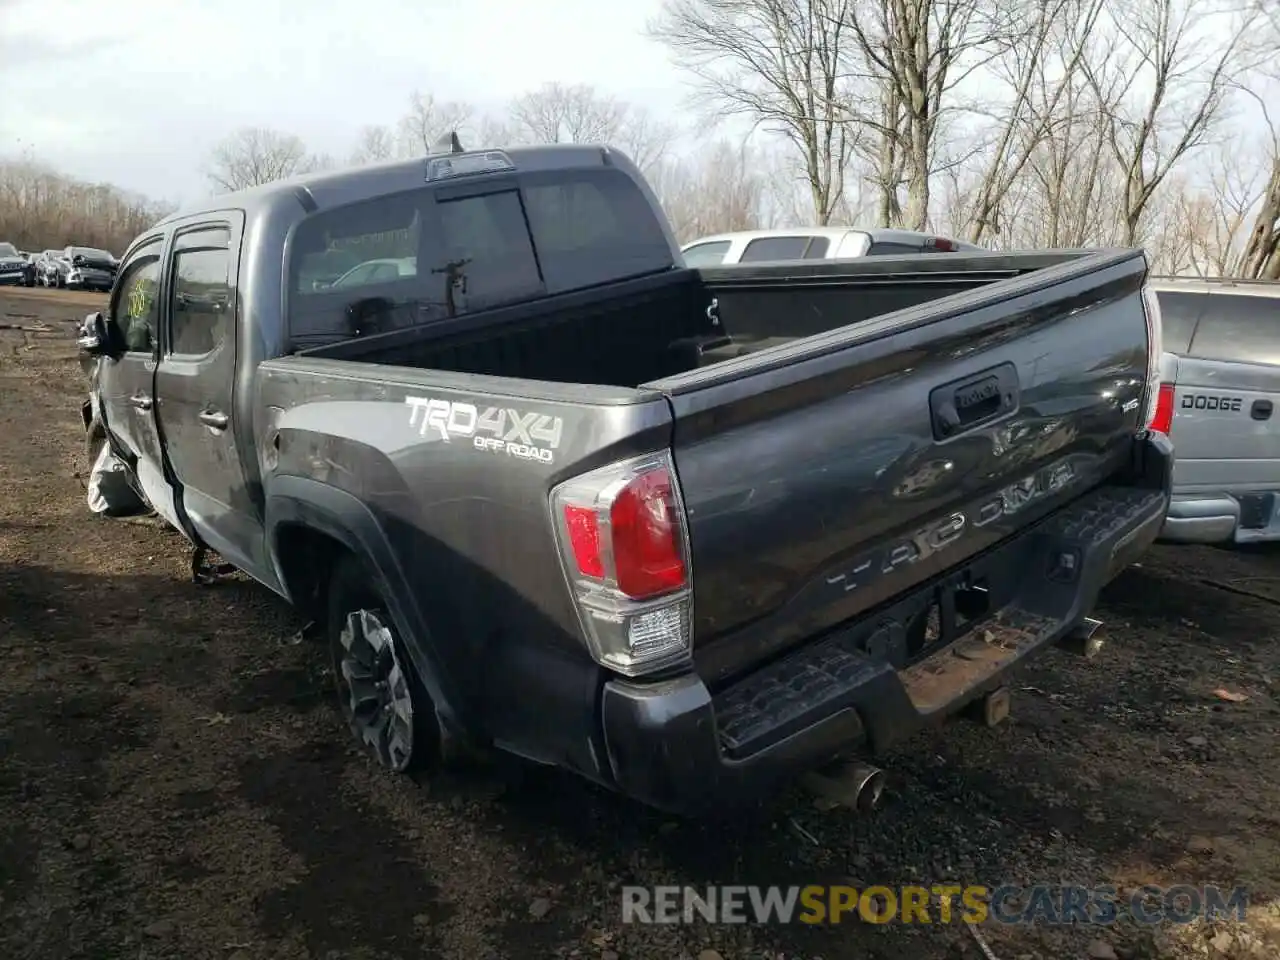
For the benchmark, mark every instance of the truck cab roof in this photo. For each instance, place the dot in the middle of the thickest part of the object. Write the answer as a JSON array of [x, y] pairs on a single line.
[[324, 190]]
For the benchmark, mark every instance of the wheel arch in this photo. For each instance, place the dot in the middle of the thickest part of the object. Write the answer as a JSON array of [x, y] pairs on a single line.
[[309, 526]]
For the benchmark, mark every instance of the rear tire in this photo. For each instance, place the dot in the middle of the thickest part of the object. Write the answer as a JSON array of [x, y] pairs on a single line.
[[380, 696]]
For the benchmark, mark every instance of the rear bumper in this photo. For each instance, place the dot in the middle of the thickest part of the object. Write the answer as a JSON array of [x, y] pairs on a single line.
[[1223, 518], [1201, 519], [676, 745]]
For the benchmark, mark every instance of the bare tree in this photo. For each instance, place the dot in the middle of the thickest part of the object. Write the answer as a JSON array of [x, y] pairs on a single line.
[[42, 209], [427, 120], [915, 54], [256, 155], [496, 132], [374, 144], [1260, 258], [1040, 73], [1164, 81], [556, 113], [722, 187], [782, 64]]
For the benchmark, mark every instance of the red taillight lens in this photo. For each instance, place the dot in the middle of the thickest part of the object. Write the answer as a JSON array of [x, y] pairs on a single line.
[[622, 533], [1155, 351], [1162, 420], [645, 532], [583, 529]]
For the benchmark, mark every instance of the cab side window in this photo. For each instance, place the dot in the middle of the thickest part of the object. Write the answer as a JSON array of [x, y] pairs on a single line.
[[200, 314], [134, 304]]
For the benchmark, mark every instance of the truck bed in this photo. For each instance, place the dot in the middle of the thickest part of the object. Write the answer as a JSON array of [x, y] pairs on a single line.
[[804, 413], [659, 326]]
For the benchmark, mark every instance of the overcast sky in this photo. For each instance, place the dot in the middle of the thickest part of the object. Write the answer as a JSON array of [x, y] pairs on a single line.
[[136, 92]]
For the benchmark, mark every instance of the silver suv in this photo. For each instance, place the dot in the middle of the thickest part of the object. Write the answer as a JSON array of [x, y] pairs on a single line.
[[1221, 377]]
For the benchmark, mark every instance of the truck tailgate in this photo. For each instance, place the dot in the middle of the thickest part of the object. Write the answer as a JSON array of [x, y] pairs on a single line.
[[825, 477], [1223, 426]]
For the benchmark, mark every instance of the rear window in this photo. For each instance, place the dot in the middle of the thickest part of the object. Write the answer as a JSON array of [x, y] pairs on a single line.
[[591, 227], [817, 248], [775, 248], [706, 254], [471, 249], [1179, 312], [888, 249], [1238, 328]]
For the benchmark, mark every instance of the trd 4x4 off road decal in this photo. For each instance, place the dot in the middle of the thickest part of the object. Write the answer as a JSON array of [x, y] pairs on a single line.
[[524, 435]]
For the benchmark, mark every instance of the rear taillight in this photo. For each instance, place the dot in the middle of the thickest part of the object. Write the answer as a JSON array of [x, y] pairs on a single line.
[[940, 244], [625, 548], [1155, 350], [1162, 419]]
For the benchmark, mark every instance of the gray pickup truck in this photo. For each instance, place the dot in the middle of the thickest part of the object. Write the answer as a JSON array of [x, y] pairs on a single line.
[[688, 533]]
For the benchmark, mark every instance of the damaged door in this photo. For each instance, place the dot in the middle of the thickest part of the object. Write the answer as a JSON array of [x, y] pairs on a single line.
[[195, 383], [126, 383]]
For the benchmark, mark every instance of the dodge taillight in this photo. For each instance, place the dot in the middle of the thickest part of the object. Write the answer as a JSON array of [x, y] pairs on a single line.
[[1155, 350], [1162, 419], [625, 548]]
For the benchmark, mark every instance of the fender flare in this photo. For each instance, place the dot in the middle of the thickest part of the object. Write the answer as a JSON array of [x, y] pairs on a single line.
[[343, 517]]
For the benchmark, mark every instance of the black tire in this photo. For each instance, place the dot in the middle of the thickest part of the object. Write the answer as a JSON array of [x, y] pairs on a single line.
[[391, 686]]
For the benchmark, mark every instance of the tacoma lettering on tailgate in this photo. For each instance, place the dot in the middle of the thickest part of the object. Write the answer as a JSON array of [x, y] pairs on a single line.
[[947, 530], [526, 436]]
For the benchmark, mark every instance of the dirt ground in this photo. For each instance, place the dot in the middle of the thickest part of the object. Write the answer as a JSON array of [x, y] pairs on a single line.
[[174, 782]]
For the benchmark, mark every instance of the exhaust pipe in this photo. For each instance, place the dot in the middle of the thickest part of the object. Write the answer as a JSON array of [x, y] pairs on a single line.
[[1086, 639], [856, 785]]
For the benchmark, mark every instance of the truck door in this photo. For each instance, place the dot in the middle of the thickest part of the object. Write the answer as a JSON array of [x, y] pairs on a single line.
[[195, 385], [126, 383]]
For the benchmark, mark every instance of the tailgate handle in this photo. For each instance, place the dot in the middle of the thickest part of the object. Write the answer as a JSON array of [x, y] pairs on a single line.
[[963, 404], [1261, 410]]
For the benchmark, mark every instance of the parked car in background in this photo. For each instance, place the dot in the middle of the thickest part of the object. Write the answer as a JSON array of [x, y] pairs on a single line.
[[1219, 406], [80, 268], [46, 272], [372, 271], [15, 269], [814, 243]]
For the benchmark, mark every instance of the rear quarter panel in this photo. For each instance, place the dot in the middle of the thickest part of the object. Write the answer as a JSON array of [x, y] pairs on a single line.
[[468, 527]]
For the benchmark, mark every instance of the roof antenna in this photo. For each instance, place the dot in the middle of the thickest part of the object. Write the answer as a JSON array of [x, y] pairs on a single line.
[[449, 143]]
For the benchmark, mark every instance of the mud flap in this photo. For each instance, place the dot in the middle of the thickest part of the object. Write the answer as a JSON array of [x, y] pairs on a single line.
[[111, 492]]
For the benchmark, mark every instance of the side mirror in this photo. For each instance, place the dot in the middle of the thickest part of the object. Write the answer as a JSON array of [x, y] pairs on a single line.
[[95, 336]]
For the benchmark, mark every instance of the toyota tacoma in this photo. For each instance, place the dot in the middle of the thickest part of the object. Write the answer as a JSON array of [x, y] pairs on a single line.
[[687, 533]]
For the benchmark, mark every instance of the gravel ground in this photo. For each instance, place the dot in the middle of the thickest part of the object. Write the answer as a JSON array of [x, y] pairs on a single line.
[[175, 783]]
